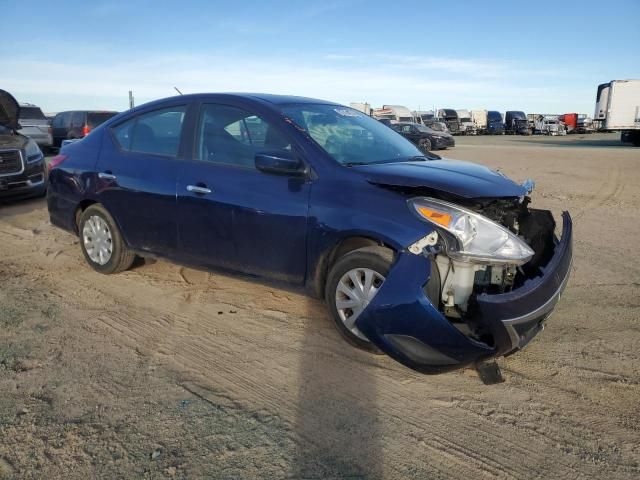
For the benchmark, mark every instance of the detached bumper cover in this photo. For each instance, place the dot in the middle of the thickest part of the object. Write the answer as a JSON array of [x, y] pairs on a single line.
[[516, 317], [402, 322]]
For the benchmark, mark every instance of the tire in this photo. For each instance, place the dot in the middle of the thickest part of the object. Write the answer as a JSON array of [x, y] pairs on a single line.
[[424, 145], [120, 257], [377, 259]]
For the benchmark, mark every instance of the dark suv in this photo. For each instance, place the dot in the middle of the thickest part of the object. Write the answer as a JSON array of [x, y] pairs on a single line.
[[76, 124], [22, 168]]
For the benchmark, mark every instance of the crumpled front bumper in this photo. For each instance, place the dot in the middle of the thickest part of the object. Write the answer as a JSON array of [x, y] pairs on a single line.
[[402, 321]]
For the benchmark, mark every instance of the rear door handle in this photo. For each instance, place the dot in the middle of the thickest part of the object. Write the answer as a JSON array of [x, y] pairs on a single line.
[[198, 189], [106, 176]]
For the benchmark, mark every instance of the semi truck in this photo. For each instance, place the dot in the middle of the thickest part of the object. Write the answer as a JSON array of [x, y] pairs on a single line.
[[515, 123], [479, 118], [394, 113], [467, 127], [618, 109], [362, 107], [450, 118], [549, 125], [495, 123]]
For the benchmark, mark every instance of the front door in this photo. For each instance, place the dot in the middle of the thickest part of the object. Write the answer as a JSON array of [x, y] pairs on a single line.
[[232, 215]]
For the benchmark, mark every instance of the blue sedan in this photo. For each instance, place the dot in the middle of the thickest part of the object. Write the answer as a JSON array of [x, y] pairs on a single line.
[[437, 263]]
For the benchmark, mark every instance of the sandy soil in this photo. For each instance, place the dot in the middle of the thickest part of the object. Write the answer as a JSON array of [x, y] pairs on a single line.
[[169, 372]]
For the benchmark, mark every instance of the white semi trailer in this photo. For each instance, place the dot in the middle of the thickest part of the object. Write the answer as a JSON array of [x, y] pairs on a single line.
[[479, 118], [618, 109]]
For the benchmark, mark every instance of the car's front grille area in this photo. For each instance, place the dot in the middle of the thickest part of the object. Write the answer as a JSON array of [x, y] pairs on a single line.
[[10, 162]]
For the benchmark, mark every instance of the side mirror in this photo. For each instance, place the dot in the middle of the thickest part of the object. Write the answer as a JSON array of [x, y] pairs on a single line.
[[280, 164]]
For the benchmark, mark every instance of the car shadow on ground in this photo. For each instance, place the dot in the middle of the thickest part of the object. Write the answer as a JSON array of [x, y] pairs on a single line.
[[577, 141], [12, 207], [337, 419]]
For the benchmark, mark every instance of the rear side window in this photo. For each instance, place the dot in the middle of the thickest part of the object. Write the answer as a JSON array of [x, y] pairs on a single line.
[[77, 119], [156, 132], [32, 113], [97, 118]]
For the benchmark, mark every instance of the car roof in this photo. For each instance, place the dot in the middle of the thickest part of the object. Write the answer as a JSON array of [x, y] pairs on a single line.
[[261, 97]]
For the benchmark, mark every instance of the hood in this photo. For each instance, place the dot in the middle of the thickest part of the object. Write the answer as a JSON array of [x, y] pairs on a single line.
[[9, 111], [462, 179]]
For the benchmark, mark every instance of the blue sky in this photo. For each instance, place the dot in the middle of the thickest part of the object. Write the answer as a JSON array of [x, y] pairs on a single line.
[[543, 56]]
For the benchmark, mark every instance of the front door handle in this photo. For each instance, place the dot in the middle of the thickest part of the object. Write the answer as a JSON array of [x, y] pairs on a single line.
[[106, 176], [198, 189]]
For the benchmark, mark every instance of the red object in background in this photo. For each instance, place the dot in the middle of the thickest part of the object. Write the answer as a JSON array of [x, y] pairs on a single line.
[[85, 130], [57, 160], [570, 120]]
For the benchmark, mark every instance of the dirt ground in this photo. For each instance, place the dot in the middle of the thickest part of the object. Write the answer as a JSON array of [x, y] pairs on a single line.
[[170, 372]]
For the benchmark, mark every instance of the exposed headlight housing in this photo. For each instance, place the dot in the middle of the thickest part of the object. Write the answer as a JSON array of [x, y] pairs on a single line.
[[477, 239]]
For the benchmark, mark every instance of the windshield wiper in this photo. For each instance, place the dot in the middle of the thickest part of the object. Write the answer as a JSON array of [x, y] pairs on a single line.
[[353, 164]]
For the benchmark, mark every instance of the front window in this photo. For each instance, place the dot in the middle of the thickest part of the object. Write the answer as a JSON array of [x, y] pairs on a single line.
[[349, 136]]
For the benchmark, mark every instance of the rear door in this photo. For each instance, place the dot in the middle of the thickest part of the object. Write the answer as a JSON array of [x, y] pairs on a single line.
[[232, 215], [137, 172]]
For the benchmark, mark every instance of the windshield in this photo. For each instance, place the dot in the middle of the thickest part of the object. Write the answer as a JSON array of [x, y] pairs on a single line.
[[437, 127], [349, 136], [466, 120], [32, 113]]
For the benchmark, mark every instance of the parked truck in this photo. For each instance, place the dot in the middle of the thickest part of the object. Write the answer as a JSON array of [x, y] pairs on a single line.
[[515, 123], [495, 123], [429, 119], [618, 109], [479, 119], [394, 113], [467, 127], [450, 118], [362, 107], [549, 125]]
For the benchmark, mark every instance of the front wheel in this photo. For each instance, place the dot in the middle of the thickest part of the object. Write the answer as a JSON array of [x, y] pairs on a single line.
[[424, 145], [102, 243], [351, 285]]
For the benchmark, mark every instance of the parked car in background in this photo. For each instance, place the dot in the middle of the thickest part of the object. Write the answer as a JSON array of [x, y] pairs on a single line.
[[495, 123], [437, 263], [76, 124], [425, 138], [34, 124], [22, 167]]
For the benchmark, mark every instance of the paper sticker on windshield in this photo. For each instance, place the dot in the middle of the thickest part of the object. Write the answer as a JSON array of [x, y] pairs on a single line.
[[347, 112]]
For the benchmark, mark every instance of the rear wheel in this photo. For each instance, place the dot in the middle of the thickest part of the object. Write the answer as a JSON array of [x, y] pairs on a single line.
[[102, 243], [353, 281]]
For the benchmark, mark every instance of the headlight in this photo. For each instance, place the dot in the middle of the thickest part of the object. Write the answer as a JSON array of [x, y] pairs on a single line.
[[478, 238], [32, 152]]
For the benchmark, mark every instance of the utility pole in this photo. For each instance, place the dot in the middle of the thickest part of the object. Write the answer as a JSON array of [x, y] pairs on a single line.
[[131, 102]]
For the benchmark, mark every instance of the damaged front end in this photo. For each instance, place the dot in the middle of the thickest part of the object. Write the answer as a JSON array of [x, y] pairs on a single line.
[[480, 285]]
